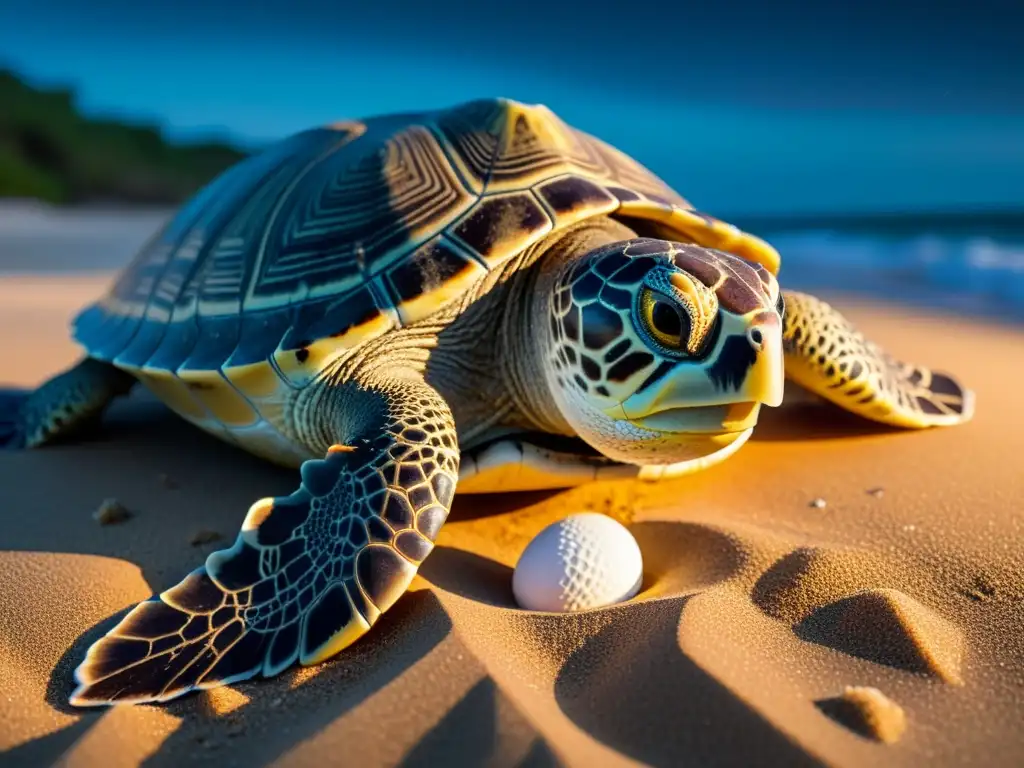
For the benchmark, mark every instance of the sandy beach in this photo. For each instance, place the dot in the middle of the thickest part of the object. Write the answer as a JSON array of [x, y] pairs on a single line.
[[760, 617]]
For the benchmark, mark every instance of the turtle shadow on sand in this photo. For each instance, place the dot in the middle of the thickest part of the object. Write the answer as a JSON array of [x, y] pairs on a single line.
[[214, 485], [470, 575], [174, 480], [628, 669], [300, 702], [631, 660], [803, 418]]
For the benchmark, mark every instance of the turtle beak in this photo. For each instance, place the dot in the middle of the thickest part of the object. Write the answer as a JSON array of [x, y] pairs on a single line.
[[765, 379], [746, 368]]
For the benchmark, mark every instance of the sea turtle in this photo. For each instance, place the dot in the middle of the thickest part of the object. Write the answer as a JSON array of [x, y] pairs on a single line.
[[480, 297]]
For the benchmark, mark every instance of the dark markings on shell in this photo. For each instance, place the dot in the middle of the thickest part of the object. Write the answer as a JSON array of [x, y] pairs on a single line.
[[428, 268], [280, 249], [624, 195], [498, 221], [187, 256], [331, 317], [574, 195], [357, 214]]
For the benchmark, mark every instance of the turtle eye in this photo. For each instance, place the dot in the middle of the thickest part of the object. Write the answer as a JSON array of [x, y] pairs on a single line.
[[665, 321]]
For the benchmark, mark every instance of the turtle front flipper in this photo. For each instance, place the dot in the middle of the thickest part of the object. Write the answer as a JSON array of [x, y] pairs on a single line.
[[309, 573], [61, 406], [828, 356]]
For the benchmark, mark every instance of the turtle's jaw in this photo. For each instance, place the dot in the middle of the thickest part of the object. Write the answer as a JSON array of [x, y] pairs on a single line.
[[702, 420]]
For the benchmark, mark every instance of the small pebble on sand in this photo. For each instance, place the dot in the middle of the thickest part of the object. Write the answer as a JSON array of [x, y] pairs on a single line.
[[111, 512], [876, 492], [203, 537], [819, 503], [867, 711]]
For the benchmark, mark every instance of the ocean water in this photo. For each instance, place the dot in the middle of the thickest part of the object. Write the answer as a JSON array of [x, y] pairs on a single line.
[[972, 270], [970, 264]]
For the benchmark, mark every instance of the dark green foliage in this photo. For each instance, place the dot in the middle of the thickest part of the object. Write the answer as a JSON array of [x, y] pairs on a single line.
[[50, 151]]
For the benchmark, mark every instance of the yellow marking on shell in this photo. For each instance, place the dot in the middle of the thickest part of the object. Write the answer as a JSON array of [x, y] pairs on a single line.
[[548, 132], [712, 233], [257, 381], [454, 158], [340, 449], [356, 628], [300, 367], [545, 125], [174, 393], [430, 301], [520, 239], [223, 402], [718, 234], [581, 209]]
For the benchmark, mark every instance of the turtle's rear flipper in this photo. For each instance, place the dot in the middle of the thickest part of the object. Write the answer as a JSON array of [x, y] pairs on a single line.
[[828, 356], [309, 573], [62, 406]]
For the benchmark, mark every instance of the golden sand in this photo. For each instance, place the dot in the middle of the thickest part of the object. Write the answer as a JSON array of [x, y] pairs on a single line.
[[757, 608]]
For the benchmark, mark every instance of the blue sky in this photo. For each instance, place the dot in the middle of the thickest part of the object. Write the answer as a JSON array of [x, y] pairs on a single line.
[[744, 108]]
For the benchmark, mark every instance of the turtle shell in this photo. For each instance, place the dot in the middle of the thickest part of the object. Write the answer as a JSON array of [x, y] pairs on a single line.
[[338, 234]]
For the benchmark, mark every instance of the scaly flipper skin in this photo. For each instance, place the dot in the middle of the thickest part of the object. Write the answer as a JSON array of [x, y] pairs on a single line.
[[309, 573], [828, 356], [61, 406]]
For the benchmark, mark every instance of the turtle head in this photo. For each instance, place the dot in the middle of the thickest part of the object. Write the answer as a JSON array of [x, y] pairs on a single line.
[[663, 352]]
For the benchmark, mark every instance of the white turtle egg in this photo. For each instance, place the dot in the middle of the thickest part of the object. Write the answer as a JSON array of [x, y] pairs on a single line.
[[586, 560]]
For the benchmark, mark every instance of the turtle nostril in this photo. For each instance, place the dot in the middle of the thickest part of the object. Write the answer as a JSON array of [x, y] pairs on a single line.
[[756, 339]]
